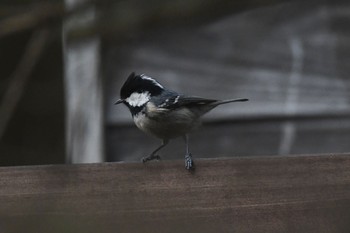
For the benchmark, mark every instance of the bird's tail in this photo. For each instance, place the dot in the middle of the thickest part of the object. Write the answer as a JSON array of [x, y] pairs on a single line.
[[207, 107], [232, 100]]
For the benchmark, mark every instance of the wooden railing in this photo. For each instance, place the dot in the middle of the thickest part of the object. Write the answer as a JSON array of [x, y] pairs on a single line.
[[260, 194]]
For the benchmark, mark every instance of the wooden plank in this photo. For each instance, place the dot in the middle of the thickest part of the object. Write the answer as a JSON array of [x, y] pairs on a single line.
[[265, 194]]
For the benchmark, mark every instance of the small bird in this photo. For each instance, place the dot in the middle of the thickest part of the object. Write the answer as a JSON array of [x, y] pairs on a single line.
[[164, 113]]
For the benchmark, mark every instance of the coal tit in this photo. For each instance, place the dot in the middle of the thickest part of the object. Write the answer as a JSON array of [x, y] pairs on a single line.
[[164, 113]]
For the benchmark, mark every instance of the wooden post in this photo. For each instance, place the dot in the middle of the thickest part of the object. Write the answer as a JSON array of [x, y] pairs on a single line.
[[83, 84]]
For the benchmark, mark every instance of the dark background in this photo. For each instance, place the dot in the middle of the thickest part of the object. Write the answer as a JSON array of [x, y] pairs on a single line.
[[289, 58]]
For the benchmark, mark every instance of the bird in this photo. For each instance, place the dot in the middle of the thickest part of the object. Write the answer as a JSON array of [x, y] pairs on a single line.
[[165, 113]]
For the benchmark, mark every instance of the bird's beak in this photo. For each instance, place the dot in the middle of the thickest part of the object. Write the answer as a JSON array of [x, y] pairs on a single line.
[[119, 101]]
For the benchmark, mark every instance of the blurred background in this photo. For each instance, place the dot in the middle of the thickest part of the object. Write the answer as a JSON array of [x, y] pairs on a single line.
[[64, 62]]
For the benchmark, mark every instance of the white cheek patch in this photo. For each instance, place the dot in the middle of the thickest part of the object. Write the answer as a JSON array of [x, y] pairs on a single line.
[[138, 99]]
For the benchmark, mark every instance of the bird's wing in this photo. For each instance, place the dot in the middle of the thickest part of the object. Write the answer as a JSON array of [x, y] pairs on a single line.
[[177, 101]]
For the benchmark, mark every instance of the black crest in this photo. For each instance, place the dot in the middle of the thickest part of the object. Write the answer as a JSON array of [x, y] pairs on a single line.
[[140, 83]]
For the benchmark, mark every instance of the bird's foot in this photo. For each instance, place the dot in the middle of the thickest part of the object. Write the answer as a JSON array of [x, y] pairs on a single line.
[[189, 164], [150, 157]]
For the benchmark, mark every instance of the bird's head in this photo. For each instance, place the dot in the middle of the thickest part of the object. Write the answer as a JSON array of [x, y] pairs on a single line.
[[137, 91]]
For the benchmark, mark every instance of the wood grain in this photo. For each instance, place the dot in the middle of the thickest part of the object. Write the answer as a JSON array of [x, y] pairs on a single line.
[[259, 194]]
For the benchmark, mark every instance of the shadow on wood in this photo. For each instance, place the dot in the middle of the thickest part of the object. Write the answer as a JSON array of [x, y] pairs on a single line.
[[261, 194]]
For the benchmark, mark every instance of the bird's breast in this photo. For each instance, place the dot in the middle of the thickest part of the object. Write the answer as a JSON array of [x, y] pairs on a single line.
[[164, 123]]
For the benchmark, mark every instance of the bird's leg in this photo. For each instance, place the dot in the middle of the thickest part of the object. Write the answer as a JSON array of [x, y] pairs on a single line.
[[189, 164], [153, 155]]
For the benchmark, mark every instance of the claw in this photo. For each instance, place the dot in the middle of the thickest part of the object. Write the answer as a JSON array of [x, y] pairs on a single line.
[[189, 164], [149, 158]]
